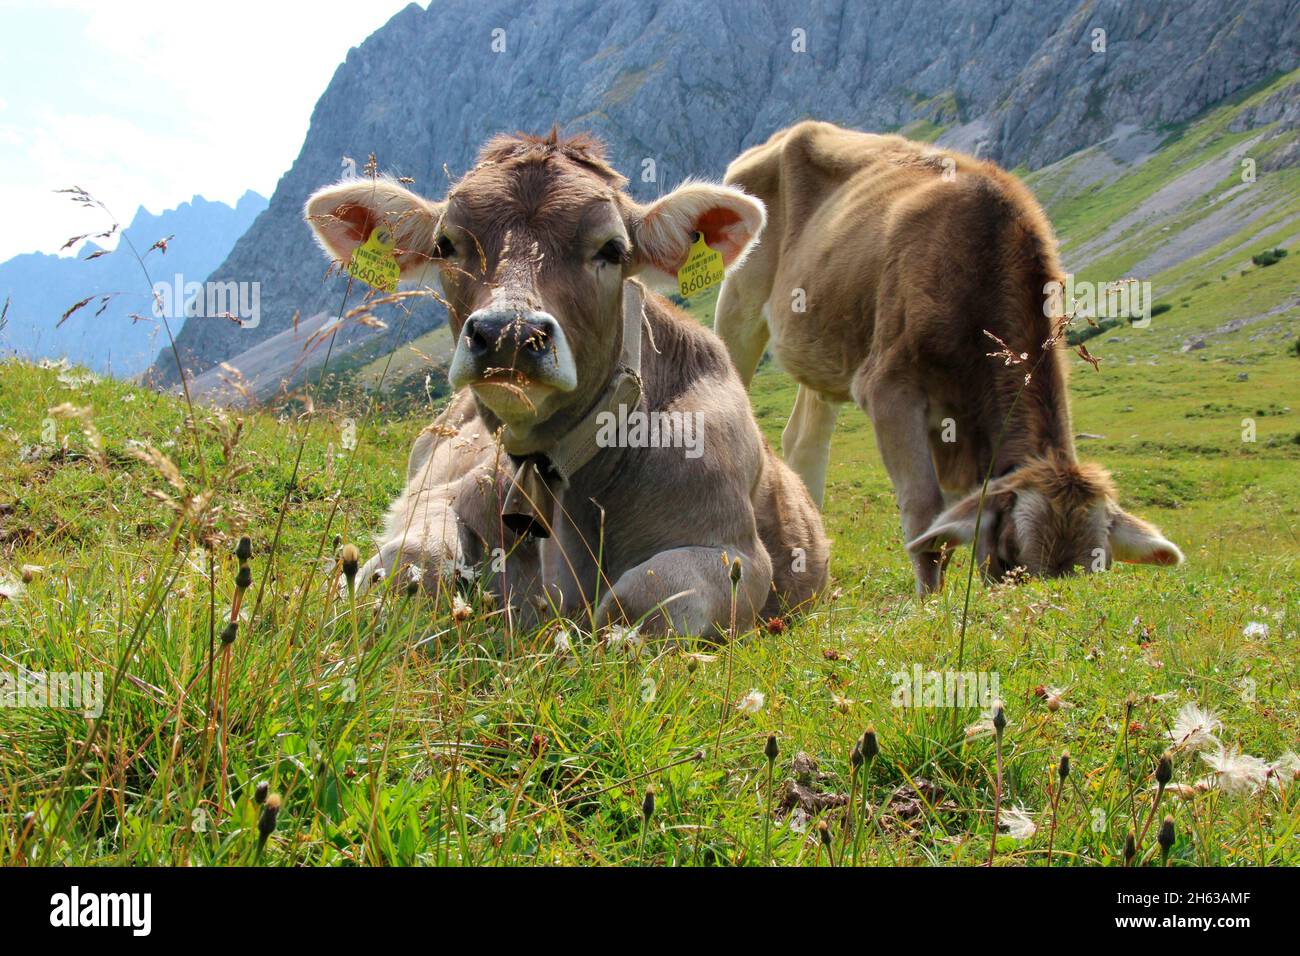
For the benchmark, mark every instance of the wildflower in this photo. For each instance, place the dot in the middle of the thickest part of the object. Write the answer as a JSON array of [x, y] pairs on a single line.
[[1182, 791], [563, 645], [1255, 629], [460, 611], [266, 821], [1063, 769], [1166, 838], [1235, 772], [619, 636], [1165, 769], [1285, 770], [1017, 823], [695, 660], [10, 590], [1194, 728], [1130, 848], [351, 560], [870, 747], [1054, 697], [751, 703], [260, 793], [413, 580], [30, 572], [772, 749], [648, 804], [77, 381], [987, 724], [457, 568], [775, 625], [842, 704]]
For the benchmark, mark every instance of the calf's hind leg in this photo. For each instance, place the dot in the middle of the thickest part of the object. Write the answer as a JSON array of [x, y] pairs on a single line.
[[898, 414], [688, 590]]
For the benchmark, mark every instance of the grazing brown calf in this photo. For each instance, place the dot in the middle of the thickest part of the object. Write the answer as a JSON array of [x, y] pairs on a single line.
[[601, 453], [881, 267]]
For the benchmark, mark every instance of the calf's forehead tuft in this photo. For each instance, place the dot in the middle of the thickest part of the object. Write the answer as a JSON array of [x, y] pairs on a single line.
[[1068, 484], [582, 150]]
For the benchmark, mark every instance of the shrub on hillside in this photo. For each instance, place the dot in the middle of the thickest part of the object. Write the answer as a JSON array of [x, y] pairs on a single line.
[[1268, 256], [1076, 336]]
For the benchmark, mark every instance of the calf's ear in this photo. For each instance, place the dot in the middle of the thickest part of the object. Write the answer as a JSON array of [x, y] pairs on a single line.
[[1137, 542], [728, 219], [955, 527], [342, 217]]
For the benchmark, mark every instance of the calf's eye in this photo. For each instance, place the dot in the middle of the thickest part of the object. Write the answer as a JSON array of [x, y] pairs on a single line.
[[444, 247], [612, 252]]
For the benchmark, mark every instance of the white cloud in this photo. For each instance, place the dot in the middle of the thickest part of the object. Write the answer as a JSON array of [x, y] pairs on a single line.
[[150, 103]]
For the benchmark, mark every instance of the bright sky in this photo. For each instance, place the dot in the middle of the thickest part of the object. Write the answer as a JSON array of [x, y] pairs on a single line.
[[146, 103]]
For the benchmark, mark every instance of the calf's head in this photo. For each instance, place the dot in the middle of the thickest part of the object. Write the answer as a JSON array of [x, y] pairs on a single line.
[[1051, 516], [530, 249]]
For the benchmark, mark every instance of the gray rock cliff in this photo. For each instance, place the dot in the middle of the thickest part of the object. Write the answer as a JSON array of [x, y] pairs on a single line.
[[689, 83]]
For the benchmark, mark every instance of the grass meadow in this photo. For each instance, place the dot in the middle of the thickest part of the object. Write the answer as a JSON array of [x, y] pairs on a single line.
[[398, 729], [418, 729]]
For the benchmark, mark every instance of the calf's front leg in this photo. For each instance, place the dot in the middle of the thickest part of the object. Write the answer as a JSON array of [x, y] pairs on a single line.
[[806, 441], [898, 414], [426, 527]]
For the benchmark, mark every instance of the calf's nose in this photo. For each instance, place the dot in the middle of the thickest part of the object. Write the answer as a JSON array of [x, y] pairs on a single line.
[[504, 336], [527, 346]]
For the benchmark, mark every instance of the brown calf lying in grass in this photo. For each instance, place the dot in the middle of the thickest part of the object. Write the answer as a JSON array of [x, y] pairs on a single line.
[[535, 250], [883, 269]]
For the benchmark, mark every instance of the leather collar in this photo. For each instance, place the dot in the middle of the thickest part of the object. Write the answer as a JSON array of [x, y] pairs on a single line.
[[527, 506]]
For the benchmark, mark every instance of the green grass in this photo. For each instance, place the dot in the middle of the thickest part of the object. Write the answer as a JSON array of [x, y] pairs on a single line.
[[464, 744], [396, 734]]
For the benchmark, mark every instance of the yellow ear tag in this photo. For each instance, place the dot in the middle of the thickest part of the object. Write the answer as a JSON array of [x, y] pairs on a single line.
[[373, 261], [702, 270]]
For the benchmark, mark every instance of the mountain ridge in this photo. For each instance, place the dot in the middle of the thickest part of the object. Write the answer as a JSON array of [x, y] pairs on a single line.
[[41, 286], [687, 85]]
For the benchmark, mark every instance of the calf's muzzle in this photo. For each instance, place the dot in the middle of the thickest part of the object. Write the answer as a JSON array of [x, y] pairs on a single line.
[[523, 347]]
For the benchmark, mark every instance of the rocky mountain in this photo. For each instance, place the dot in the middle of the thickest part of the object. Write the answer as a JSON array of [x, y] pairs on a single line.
[[678, 87], [41, 287]]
